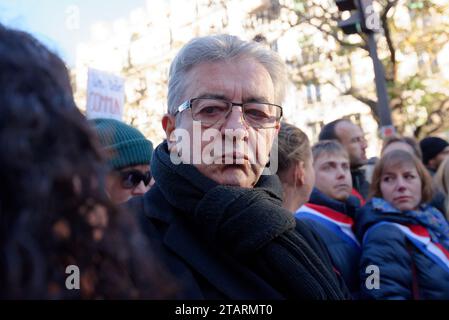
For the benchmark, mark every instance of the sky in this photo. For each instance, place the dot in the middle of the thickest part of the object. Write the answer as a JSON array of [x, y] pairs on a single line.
[[62, 24]]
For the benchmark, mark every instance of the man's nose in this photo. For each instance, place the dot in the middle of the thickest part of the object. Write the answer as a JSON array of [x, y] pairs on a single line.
[[364, 144], [140, 189], [235, 119], [340, 173]]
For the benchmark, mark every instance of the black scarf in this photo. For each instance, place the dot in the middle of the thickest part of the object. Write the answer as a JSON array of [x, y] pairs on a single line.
[[251, 225]]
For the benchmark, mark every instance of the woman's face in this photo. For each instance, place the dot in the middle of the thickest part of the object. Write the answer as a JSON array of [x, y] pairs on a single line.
[[401, 186]]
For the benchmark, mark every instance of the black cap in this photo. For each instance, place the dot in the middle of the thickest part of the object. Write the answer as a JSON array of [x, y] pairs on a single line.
[[431, 147]]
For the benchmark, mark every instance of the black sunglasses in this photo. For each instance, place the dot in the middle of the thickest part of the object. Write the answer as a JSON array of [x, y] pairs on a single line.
[[131, 178]]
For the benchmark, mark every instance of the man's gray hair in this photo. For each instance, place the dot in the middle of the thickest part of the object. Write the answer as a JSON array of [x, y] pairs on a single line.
[[222, 48]]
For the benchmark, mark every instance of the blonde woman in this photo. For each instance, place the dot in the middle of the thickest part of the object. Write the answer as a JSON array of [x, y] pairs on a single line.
[[404, 238], [295, 166]]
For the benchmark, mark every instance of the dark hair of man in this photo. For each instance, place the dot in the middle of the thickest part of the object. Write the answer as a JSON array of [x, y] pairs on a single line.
[[328, 130]]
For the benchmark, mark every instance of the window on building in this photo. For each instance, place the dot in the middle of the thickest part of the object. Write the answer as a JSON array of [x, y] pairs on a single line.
[[310, 54], [274, 45], [435, 67], [422, 59], [315, 128], [309, 93], [428, 63], [313, 91], [318, 92], [345, 80]]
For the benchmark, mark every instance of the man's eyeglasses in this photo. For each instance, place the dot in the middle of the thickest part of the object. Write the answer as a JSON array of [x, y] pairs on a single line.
[[132, 178], [212, 111]]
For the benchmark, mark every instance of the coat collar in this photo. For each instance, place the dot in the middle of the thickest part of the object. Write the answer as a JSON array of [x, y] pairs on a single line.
[[225, 273], [347, 207]]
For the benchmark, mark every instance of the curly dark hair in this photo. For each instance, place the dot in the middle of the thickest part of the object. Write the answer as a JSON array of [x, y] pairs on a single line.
[[53, 210]]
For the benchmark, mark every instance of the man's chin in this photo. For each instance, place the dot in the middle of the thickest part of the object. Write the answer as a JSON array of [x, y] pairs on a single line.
[[342, 196], [238, 175], [235, 175]]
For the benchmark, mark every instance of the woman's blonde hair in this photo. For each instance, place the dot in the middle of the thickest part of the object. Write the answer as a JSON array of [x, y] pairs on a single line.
[[393, 159], [293, 146]]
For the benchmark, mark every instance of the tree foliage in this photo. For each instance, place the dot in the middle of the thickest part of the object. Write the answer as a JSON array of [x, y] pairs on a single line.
[[418, 101]]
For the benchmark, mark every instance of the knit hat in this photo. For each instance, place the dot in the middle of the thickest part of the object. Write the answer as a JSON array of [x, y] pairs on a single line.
[[431, 147], [125, 145]]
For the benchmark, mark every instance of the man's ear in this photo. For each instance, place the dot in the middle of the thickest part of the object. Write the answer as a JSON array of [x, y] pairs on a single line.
[[169, 125], [300, 173], [278, 127]]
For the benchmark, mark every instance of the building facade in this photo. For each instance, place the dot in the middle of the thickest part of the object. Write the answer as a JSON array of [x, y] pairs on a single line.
[[141, 47]]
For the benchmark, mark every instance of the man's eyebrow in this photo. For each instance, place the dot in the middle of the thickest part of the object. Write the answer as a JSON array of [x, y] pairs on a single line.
[[260, 99], [212, 96], [332, 162]]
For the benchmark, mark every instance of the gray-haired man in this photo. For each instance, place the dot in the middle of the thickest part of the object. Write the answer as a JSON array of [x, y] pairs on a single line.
[[218, 222]]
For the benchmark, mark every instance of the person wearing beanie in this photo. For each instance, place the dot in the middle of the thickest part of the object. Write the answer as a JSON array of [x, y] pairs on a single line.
[[434, 151], [128, 156]]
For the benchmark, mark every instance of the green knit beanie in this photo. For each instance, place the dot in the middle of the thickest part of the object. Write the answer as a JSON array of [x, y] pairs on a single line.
[[125, 145]]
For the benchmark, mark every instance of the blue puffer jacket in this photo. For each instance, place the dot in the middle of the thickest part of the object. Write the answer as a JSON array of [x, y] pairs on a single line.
[[405, 270], [343, 250]]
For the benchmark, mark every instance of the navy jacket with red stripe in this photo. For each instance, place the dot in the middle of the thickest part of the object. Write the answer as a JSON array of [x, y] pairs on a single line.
[[344, 253]]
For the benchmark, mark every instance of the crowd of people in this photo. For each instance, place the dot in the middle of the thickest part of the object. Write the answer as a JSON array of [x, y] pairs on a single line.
[[140, 223]]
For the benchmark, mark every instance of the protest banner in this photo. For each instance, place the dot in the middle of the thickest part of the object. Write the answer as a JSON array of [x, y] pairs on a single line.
[[105, 95]]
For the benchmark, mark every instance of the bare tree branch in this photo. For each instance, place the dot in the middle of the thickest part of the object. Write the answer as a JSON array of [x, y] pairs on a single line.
[[385, 24]]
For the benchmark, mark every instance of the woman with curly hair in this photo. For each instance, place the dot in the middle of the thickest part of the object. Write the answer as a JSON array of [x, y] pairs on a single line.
[[53, 212]]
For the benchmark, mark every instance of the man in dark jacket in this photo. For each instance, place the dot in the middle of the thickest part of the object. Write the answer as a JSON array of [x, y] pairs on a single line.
[[353, 139], [214, 218], [331, 209]]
